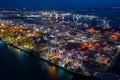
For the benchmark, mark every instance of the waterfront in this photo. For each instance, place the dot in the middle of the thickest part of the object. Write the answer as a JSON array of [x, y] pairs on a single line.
[[22, 66], [57, 46], [112, 15], [25, 67], [60, 40]]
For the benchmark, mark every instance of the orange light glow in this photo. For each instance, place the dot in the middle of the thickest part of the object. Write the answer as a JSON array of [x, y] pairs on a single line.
[[52, 70], [91, 30]]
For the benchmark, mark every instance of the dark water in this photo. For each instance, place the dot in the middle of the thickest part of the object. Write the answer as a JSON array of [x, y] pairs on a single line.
[[109, 13], [113, 16], [16, 65]]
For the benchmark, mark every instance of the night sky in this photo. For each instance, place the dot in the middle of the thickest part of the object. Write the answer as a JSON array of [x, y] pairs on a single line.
[[58, 3]]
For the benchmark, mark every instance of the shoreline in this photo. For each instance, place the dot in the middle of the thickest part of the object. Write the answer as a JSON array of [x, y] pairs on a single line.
[[72, 72], [51, 63]]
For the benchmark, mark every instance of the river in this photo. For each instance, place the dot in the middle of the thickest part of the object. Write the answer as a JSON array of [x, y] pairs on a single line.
[[16, 64]]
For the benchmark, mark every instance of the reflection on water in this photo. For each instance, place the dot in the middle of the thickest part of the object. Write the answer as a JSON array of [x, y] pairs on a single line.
[[1, 42], [28, 66], [52, 70], [19, 53]]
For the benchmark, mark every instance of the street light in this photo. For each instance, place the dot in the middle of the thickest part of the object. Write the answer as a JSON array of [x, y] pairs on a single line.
[[41, 27], [3, 24], [57, 30]]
